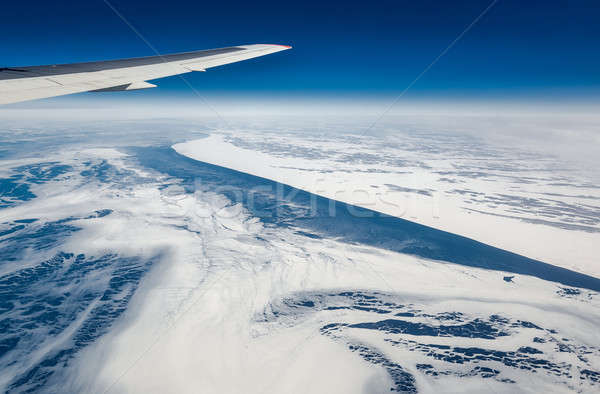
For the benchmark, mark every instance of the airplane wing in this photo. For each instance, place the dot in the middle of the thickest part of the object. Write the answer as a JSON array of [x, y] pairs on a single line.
[[35, 82]]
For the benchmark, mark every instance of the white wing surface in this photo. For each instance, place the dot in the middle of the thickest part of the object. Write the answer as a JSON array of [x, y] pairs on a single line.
[[35, 82]]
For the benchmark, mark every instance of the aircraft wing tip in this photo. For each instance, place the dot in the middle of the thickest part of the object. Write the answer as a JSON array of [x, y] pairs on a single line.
[[284, 47]]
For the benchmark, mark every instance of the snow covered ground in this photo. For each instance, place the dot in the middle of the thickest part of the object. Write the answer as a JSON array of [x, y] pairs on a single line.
[[445, 173], [127, 267]]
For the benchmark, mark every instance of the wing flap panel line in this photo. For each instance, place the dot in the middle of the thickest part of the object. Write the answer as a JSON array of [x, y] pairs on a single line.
[[130, 86]]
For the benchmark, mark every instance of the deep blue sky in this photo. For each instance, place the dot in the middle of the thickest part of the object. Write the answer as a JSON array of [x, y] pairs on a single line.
[[374, 47]]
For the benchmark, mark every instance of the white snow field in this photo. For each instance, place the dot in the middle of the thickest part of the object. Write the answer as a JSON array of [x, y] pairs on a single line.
[[127, 267], [477, 176], [233, 305]]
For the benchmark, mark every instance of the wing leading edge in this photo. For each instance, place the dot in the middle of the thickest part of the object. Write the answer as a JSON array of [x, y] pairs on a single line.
[[29, 83]]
